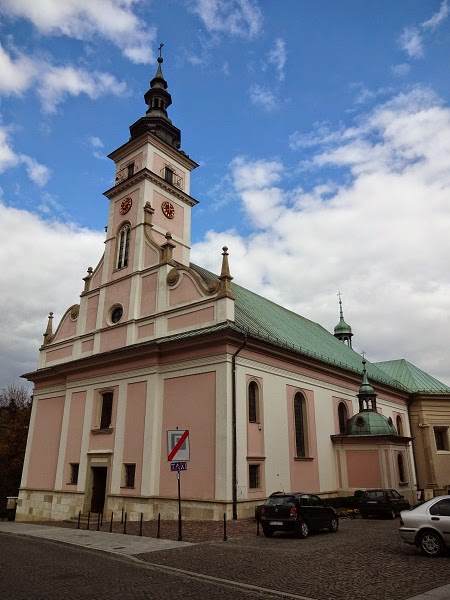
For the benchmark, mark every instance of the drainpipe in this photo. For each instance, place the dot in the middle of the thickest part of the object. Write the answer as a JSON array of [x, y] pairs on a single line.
[[234, 433], [410, 401]]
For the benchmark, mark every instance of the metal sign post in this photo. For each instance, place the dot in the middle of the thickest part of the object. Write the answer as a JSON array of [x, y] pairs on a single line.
[[178, 450]]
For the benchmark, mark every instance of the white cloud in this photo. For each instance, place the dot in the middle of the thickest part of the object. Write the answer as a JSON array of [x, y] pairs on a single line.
[[53, 83], [58, 82], [411, 42], [263, 97], [401, 69], [380, 236], [240, 18], [86, 19], [277, 57], [439, 17], [38, 253], [37, 172]]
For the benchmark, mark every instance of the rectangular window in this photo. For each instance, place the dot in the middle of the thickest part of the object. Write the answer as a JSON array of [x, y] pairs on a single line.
[[169, 175], [74, 469], [130, 170], [441, 438], [106, 412], [254, 477], [129, 475]]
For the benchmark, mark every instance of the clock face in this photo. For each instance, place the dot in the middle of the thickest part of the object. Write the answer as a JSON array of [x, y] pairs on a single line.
[[168, 209], [125, 205]]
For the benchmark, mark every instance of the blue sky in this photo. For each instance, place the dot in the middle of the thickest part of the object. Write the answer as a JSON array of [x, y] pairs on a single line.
[[323, 134]]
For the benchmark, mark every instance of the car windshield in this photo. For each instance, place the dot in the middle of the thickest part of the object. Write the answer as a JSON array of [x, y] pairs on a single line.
[[278, 500]]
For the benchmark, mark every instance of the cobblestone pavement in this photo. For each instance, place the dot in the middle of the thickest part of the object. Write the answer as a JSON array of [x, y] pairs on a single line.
[[366, 559]]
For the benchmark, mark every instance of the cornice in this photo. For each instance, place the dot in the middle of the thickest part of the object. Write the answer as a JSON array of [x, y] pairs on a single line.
[[146, 174]]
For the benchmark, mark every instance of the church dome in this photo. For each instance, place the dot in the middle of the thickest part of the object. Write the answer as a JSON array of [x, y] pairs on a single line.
[[369, 422], [342, 328]]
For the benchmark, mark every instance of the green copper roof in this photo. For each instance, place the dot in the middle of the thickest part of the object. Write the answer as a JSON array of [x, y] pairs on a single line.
[[365, 387], [412, 377], [370, 422], [266, 320], [342, 327]]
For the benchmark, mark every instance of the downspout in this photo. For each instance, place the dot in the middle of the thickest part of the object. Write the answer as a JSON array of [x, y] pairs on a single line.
[[410, 400], [234, 432]]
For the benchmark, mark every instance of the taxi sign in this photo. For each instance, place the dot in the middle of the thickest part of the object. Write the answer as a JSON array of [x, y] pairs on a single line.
[[178, 466]]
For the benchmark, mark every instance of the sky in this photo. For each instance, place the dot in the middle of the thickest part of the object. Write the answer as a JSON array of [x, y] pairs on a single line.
[[322, 130]]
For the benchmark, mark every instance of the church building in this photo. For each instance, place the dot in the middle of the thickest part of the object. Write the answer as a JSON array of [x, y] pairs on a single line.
[[156, 345]]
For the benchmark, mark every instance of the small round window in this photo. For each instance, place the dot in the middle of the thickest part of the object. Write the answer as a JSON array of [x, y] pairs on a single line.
[[116, 314]]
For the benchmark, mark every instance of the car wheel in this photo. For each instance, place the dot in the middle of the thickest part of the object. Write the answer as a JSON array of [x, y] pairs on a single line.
[[302, 529], [431, 543], [334, 525], [392, 513], [267, 532]]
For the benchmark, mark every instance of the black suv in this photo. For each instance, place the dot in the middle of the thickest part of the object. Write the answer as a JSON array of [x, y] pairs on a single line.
[[382, 502], [297, 512]]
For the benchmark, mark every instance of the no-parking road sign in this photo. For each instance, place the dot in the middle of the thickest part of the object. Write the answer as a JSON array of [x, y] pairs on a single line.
[[178, 445]]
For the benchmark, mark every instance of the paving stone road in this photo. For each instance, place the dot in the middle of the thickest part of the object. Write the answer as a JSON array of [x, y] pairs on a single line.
[[366, 559]]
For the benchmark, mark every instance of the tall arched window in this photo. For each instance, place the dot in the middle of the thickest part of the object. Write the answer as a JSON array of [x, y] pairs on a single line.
[[253, 402], [300, 423], [401, 468], [343, 417], [399, 424], [123, 247]]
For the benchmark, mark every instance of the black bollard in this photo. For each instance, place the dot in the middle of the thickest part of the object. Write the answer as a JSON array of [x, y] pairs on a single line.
[[121, 520], [257, 526], [101, 519], [89, 518], [125, 523], [224, 527], [158, 533], [79, 519], [111, 522], [140, 526], [98, 521]]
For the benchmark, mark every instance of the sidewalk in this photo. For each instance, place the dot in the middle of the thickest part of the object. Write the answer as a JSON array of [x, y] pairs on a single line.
[[116, 543]]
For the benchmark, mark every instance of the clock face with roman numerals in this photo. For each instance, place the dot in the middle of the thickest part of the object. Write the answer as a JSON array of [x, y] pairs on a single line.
[[125, 205], [168, 209]]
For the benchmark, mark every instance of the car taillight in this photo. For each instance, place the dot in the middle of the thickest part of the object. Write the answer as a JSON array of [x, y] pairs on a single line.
[[293, 512]]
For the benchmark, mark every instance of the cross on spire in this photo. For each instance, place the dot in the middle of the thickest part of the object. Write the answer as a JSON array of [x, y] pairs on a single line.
[[161, 46]]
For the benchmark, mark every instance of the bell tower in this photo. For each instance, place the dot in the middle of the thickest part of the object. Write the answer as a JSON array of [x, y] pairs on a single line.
[[151, 193]]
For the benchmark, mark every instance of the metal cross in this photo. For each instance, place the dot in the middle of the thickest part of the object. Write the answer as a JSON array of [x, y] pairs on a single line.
[[160, 48]]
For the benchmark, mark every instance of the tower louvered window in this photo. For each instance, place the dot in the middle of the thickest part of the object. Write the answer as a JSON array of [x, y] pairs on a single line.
[[124, 247]]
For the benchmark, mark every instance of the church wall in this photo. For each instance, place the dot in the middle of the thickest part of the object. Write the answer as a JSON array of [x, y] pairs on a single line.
[[363, 468], [185, 291], [59, 353], [66, 329], [45, 443], [148, 294], [161, 222], [191, 319], [74, 435], [134, 431], [190, 403]]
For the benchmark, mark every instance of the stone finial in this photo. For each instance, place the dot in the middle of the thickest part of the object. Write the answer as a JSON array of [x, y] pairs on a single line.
[[149, 212], [167, 249], [225, 277], [87, 279], [49, 331]]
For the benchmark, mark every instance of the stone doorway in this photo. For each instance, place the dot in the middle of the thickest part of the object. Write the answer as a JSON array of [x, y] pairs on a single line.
[[99, 478]]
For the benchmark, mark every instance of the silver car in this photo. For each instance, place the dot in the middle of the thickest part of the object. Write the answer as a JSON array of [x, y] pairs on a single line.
[[428, 526]]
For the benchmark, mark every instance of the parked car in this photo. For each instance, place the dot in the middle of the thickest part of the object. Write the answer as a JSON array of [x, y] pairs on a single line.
[[297, 512], [428, 526], [382, 502]]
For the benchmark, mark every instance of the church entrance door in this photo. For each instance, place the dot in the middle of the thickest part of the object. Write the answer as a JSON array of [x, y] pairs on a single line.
[[98, 488]]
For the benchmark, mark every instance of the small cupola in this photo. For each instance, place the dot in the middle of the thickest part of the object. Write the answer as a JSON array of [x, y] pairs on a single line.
[[343, 331]]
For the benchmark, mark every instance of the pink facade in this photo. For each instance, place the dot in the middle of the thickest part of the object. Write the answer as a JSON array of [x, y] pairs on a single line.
[[74, 433], [181, 394], [363, 468], [134, 431], [45, 443]]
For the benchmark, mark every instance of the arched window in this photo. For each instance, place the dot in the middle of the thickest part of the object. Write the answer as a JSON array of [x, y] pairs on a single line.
[[399, 424], [106, 410], [123, 247], [253, 402], [401, 468], [343, 417], [300, 423]]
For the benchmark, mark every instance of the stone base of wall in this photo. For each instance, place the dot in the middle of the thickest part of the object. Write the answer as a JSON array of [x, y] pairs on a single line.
[[48, 505]]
